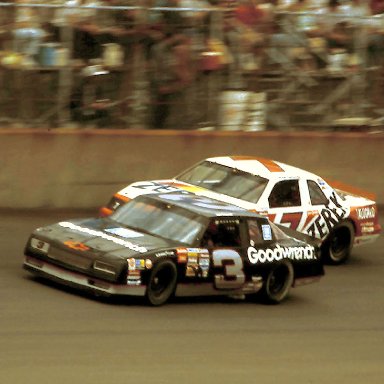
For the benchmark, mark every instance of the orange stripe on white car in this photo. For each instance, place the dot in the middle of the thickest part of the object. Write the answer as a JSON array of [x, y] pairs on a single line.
[[271, 165]]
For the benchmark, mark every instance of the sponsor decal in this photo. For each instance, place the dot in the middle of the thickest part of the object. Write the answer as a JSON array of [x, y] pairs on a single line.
[[204, 265], [310, 216], [203, 202], [196, 259], [148, 263], [192, 256], [76, 245], [131, 264], [140, 264], [322, 183], [191, 271], [134, 278], [194, 250], [182, 255], [93, 232], [328, 217], [189, 188], [279, 253], [154, 187], [367, 227], [164, 254], [228, 221], [197, 269], [366, 213], [137, 265], [267, 232]]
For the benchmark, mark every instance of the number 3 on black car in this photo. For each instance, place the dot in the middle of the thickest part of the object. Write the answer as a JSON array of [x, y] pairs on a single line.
[[232, 276]]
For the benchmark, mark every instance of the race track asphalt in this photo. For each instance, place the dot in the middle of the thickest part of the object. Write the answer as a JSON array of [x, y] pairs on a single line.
[[329, 332]]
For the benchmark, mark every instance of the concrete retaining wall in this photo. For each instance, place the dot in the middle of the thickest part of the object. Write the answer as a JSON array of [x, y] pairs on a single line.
[[81, 169]]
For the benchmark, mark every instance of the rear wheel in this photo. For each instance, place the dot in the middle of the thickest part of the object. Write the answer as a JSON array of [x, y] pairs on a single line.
[[336, 249], [278, 283], [161, 283]]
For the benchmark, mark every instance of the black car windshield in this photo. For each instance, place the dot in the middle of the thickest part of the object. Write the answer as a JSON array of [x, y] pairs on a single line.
[[161, 219], [228, 181]]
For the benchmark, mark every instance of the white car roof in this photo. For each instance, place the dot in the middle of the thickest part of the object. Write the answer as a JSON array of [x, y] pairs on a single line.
[[269, 169]]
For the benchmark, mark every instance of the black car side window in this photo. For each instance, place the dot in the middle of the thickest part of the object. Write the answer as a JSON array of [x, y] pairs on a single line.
[[254, 232], [316, 194], [222, 234], [285, 194]]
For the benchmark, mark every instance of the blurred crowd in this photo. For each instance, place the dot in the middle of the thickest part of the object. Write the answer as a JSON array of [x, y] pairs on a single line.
[[169, 60]]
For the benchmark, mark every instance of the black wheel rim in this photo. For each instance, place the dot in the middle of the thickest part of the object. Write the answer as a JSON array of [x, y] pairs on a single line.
[[277, 280], [161, 281], [339, 244]]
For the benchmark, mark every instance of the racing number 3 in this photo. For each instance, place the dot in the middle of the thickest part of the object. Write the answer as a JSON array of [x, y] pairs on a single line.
[[233, 276]]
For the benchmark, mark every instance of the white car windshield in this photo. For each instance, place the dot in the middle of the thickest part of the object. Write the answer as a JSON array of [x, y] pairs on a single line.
[[228, 181], [161, 219]]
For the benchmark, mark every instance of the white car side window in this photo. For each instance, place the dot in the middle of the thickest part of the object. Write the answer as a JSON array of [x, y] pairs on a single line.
[[316, 194], [285, 193]]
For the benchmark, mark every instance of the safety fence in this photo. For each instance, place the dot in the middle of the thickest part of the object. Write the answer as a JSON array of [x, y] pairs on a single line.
[[212, 68]]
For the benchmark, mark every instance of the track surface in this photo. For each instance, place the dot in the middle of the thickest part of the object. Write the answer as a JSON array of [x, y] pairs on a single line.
[[329, 332]]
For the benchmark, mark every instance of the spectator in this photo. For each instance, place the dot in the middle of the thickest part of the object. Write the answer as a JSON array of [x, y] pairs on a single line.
[[28, 31], [376, 6], [361, 13], [336, 26], [7, 15], [345, 24], [245, 34], [94, 97], [85, 27], [172, 72]]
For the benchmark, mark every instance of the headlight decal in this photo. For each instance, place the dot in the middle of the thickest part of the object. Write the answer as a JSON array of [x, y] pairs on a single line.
[[40, 245], [104, 267]]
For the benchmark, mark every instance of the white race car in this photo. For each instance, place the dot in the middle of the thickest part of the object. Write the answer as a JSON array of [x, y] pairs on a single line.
[[290, 196]]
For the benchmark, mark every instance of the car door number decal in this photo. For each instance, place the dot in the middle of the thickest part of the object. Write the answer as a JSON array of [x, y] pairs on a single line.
[[293, 219], [232, 276]]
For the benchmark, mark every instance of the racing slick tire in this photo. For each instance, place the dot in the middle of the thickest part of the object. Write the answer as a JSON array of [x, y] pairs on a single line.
[[277, 283], [337, 247], [161, 283]]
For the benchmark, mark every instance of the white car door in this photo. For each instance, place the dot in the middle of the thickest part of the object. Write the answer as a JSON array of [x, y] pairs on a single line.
[[286, 206]]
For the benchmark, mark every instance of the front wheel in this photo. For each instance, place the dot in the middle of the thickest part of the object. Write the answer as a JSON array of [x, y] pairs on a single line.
[[161, 283], [277, 283], [337, 247]]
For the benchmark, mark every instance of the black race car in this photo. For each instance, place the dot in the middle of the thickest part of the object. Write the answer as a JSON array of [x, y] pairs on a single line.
[[177, 244]]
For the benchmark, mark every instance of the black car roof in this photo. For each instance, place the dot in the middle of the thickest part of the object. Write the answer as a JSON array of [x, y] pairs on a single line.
[[202, 205]]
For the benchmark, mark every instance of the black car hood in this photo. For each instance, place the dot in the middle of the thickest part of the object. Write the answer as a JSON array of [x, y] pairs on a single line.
[[102, 236]]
